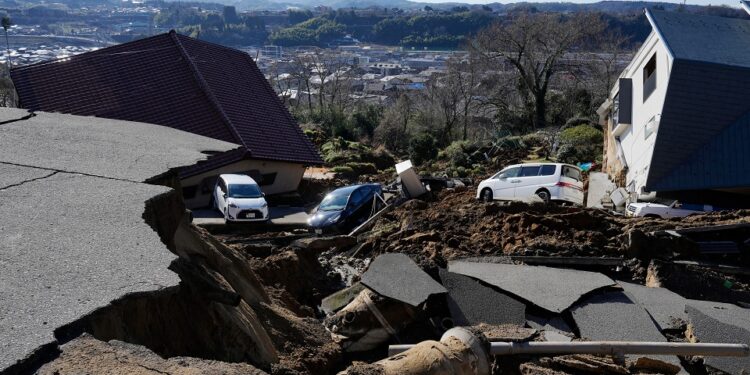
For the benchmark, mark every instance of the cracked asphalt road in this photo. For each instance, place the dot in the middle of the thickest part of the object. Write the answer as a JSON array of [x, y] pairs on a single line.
[[72, 197]]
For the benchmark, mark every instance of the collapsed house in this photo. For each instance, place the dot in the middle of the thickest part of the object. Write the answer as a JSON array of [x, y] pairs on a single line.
[[186, 84], [677, 120]]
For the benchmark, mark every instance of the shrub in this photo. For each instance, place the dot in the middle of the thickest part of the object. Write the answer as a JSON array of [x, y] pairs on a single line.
[[383, 159], [580, 143], [362, 168], [422, 148], [581, 135], [342, 169], [456, 154]]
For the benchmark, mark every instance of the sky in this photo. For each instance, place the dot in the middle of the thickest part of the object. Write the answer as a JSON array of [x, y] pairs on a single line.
[[732, 3]]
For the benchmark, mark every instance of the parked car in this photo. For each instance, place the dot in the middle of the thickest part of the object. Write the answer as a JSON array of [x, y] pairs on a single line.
[[665, 211], [239, 198], [345, 208], [552, 182]]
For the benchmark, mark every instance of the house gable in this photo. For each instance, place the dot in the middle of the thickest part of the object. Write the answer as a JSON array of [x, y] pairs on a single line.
[[722, 163], [702, 101]]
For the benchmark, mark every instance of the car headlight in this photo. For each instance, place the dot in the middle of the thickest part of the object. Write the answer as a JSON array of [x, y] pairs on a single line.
[[233, 205], [265, 204]]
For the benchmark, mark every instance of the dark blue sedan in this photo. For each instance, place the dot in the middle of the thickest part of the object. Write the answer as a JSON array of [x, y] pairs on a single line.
[[345, 208]]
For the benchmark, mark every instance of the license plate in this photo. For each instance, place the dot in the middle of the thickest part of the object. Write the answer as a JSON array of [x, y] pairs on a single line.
[[251, 215]]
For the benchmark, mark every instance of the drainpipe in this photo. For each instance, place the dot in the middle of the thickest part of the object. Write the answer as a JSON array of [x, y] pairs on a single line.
[[610, 348]]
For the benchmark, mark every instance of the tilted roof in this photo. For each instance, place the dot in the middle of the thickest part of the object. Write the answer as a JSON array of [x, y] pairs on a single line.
[[700, 144], [176, 81], [712, 39]]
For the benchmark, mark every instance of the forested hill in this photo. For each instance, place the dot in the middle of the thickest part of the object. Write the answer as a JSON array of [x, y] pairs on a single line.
[[432, 26]]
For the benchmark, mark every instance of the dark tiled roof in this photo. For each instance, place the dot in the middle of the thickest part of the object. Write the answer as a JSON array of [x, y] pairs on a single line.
[[176, 81], [702, 138], [710, 39]]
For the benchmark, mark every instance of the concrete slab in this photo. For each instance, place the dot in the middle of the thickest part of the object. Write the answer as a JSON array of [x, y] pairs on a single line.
[[555, 324], [552, 289], [398, 277], [599, 186], [71, 217], [471, 303], [613, 316], [721, 322], [101, 147], [665, 307], [72, 244], [13, 175]]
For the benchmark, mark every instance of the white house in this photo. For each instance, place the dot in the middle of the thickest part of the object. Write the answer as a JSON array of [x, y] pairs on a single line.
[[674, 119]]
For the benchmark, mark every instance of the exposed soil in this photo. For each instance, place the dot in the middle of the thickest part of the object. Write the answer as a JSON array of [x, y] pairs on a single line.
[[455, 225]]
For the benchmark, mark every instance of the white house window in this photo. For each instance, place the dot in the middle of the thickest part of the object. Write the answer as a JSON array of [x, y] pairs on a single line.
[[651, 126], [616, 109], [649, 77]]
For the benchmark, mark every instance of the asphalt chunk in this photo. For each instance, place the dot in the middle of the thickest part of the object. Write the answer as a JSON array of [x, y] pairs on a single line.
[[398, 277], [665, 307], [470, 302], [721, 323], [94, 146], [552, 289], [613, 316]]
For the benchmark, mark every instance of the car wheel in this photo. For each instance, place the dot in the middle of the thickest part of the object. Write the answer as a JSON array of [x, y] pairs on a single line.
[[487, 195], [544, 194]]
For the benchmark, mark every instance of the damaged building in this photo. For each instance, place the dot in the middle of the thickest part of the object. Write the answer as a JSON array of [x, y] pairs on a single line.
[[186, 84], [678, 119]]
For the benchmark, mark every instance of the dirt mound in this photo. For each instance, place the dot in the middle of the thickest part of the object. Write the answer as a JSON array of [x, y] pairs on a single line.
[[87, 355], [455, 225]]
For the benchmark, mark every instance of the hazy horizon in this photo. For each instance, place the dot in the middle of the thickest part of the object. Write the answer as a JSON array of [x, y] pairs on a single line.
[[732, 3]]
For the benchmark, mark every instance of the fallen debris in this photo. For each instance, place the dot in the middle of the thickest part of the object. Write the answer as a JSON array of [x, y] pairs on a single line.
[[87, 355], [397, 276], [613, 316], [369, 321], [720, 322], [553, 289], [472, 303], [665, 307], [325, 243]]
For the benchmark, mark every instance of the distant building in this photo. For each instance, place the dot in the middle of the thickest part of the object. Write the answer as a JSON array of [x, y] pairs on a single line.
[[275, 52], [677, 122], [186, 84]]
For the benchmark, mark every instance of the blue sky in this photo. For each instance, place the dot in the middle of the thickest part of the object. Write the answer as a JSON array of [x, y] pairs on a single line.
[[732, 3]]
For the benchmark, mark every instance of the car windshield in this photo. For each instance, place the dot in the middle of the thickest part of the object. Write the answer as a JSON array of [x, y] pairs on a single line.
[[335, 201], [244, 191]]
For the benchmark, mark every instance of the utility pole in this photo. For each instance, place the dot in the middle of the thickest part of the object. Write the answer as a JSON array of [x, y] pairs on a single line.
[[6, 25]]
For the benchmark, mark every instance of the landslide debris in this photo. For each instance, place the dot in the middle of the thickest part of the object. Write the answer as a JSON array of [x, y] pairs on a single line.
[[87, 355], [454, 225]]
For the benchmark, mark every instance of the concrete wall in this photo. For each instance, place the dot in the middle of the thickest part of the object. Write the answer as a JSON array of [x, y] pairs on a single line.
[[288, 177], [637, 145]]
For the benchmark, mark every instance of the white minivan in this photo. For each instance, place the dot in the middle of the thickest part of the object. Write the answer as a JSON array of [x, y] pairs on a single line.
[[239, 198], [552, 182]]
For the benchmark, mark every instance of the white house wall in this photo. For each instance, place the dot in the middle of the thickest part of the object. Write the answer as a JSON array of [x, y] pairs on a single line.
[[638, 148], [288, 177]]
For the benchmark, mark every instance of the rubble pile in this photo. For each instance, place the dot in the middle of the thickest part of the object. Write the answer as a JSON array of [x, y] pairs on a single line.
[[455, 225]]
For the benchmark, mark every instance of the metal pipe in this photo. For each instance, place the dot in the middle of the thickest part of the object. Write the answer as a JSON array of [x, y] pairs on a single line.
[[608, 347]]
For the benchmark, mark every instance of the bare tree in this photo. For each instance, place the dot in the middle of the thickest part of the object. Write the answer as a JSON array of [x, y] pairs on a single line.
[[613, 55], [302, 72], [535, 46]]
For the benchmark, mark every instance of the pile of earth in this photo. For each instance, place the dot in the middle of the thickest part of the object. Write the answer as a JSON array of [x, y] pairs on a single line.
[[455, 225]]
